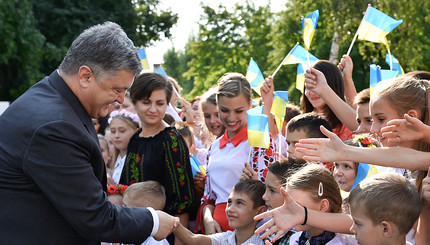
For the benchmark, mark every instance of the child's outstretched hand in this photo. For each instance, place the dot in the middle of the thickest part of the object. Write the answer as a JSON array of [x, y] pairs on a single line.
[[285, 217], [199, 181], [322, 149], [401, 130], [248, 173], [345, 66], [315, 82]]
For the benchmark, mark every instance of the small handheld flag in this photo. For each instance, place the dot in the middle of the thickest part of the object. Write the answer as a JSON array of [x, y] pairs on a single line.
[[255, 76], [374, 27], [395, 64], [299, 55], [309, 24], [258, 128], [377, 75], [280, 100], [160, 70], [300, 78], [143, 59]]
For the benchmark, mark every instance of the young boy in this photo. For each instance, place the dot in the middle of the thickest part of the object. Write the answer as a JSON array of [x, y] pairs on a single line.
[[384, 207], [301, 127], [245, 201], [146, 194]]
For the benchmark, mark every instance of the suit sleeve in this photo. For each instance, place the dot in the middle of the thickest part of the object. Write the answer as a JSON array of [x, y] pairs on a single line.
[[59, 159]]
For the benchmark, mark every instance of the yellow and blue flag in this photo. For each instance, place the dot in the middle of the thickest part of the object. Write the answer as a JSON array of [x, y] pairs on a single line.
[[377, 75], [376, 25], [300, 78], [255, 76], [196, 166], [309, 24], [280, 100], [299, 55], [395, 63], [143, 59], [160, 70], [258, 128], [364, 170]]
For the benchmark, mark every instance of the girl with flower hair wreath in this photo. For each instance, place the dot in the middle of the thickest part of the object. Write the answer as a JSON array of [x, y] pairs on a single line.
[[123, 125]]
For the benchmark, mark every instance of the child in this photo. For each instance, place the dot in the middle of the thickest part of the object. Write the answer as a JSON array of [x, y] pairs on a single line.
[[362, 115], [326, 95], [244, 202], [104, 148], [276, 177], [290, 112], [301, 127], [123, 125], [314, 187], [146, 194], [209, 107], [228, 153], [378, 221]]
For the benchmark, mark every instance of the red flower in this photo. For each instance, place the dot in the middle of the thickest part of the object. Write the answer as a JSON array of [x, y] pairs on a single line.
[[170, 133], [265, 172], [178, 164], [132, 181], [367, 141], [123, 188], [186, 197], [269, 152], [182, 183], [255, 159], [175, 149], [111, 189], [179, 211], [137, 158]]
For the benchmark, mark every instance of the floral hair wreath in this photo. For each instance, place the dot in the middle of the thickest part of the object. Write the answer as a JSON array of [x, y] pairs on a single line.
[[116, 189], [124, 113], [365, 141]]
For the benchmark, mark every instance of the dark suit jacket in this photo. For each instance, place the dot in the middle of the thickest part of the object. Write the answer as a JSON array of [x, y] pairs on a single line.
[[52, 175]]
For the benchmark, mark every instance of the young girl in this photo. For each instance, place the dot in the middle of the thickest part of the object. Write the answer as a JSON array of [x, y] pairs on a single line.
[[209, 107], [326, 96], [104, 147], [123, 125], [157, 151], [228, 153], [276, 177], [314, 187]]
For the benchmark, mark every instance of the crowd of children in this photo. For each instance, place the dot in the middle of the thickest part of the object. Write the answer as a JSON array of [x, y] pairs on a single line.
[[347, 164]]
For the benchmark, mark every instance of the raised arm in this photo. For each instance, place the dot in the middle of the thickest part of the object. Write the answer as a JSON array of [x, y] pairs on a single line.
[[333, 149], [316, 82], [346, 66], [267, 91]]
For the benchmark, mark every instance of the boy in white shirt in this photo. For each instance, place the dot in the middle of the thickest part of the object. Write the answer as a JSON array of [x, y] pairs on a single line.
[[245, 201]]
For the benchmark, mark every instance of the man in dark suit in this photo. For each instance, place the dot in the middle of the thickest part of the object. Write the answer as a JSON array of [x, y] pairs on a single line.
[[52, 175]]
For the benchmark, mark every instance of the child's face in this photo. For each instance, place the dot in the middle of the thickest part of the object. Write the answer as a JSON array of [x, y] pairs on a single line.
[[212, 121], [292, 138], [381, 112], [364, 230], [363, 118], [121, 133], [232, 112], [273, 196], [345, 174], [105, 151], [240, 211], [317, 102]]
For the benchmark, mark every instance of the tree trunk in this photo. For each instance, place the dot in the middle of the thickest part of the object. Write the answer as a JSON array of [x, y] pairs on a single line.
[[334, 50]]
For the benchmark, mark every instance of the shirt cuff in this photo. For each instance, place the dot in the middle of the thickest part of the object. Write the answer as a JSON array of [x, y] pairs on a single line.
[[155, 220]]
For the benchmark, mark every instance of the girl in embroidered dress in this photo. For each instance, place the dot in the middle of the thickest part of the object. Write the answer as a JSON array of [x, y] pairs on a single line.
[[157, 151], [123, 125], [228, 153]]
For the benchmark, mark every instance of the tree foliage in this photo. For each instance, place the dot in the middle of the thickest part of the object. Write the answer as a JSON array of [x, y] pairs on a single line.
[[37, 34]]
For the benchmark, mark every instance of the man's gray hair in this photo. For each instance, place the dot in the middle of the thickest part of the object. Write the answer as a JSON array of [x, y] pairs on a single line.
[[105, 48]]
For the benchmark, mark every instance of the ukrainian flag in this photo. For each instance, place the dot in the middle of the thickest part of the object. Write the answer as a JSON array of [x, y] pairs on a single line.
[[258, 128], [299, 55], [280, 100], [309, 24], [377, 75], [300, 78], [364, 170], [143, 59], [255, 76], [395, 63], [196, 166], [160, 70], [376, 25]]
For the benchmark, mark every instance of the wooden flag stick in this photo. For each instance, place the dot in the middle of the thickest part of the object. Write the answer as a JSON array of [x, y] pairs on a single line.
[[279, 67]]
